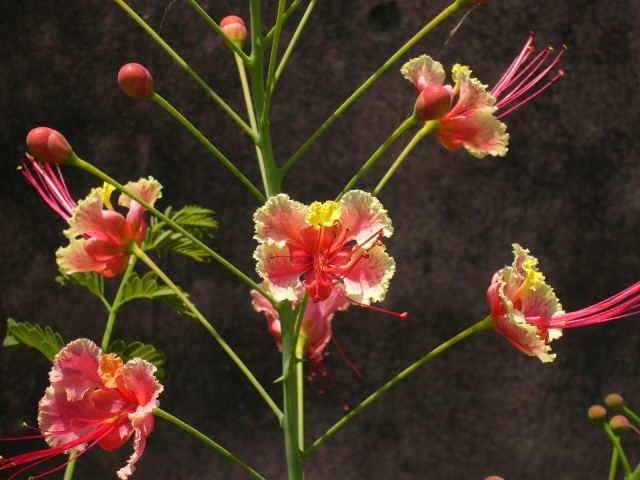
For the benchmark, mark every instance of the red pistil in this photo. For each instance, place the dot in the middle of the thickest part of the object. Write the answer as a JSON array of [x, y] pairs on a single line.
[[523, 75]]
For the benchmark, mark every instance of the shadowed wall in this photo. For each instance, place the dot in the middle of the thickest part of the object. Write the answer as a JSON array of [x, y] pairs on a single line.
[[568, 190]]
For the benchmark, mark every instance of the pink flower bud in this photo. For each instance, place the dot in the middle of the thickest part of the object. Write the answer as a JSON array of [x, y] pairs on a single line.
[[234, 28], [619, 424], [135, 81], [48, 145], [433, 102]]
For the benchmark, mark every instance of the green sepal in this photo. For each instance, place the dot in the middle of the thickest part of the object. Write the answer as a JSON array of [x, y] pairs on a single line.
[[141, 350], [48, 342], [147, 287], [92, 280], [198, 221]]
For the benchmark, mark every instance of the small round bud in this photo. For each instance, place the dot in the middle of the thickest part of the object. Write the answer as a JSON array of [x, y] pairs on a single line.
[[597, 414], [614, 401], [234, 28], [494, 477], [619, 424], [48, 145], [135, 80], [433, 102]]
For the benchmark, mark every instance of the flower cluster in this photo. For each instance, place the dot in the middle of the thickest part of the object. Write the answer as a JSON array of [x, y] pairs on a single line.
[[336, 246], [473, 121], [94, 399], [99, 236]]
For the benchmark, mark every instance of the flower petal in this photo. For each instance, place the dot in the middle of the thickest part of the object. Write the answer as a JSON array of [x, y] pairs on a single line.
[[280, 219], [369, 280], [149, 190], [364, 215], [87, 216], [480, 133], [142, 425], [423, 71], [473, 95], [279, 274], [75, 369], [74, 258]]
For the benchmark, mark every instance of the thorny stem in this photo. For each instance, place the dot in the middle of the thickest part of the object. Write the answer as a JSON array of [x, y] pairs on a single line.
[[485, 324], [429, 127], [451, 9], [408, 123], [113, 310], [196, 133], [187, 68], [78, 162], [137, 251], [200, 436]]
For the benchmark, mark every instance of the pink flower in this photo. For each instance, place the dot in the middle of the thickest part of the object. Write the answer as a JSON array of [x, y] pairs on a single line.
[[335, 246], [105, 235], [93, 399], [315, 331], [526, 311], [471, 122]]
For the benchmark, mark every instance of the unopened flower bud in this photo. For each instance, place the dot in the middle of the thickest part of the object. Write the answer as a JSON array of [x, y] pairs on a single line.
[[494, 477], [597, 414], [48, 145], [614, 401], [619, 424], [234, 28], [135, 80], [433, 102]]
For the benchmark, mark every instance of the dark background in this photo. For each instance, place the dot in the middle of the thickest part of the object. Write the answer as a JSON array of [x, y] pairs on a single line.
[[567, 190]]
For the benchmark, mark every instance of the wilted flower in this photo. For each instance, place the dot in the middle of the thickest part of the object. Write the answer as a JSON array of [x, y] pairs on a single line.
[[526, 311], [473, 120], [336, 246], [105, 235], [93, 399]]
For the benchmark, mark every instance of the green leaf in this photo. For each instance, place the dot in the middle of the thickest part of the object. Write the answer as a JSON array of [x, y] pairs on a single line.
[[198, 221], [141, 350], [48, 342], [92, 280], [147, 287]]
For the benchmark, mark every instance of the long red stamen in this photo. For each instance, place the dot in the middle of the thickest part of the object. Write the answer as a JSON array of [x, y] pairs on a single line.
[[402, 316], [621, 305], [51, 186]]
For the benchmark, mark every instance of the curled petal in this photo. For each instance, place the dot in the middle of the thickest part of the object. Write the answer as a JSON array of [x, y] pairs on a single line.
[[473, 94], [280, 219], [74, 258], [87, 216], [75, 369], [142, 426], [369, 280], [139, 377], [423, 71], [149, 190]]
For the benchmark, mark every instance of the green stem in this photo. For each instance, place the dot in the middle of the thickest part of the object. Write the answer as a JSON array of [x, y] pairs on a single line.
[[429, 127], [300, 381], [616, 444], [187, 68], [78, 162], [451, 9], [252, 115], [71, 466], [286, 15], [631, 415], [614, 464], [486, 324], [113, 310], [256, 70], [291, 426], [408, 123], [200, 436], [137, 251], [196, 133], [273, 58], [236, 49], [294, 40]]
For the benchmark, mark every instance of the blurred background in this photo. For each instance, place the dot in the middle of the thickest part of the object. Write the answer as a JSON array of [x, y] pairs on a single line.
[[569, 190]]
